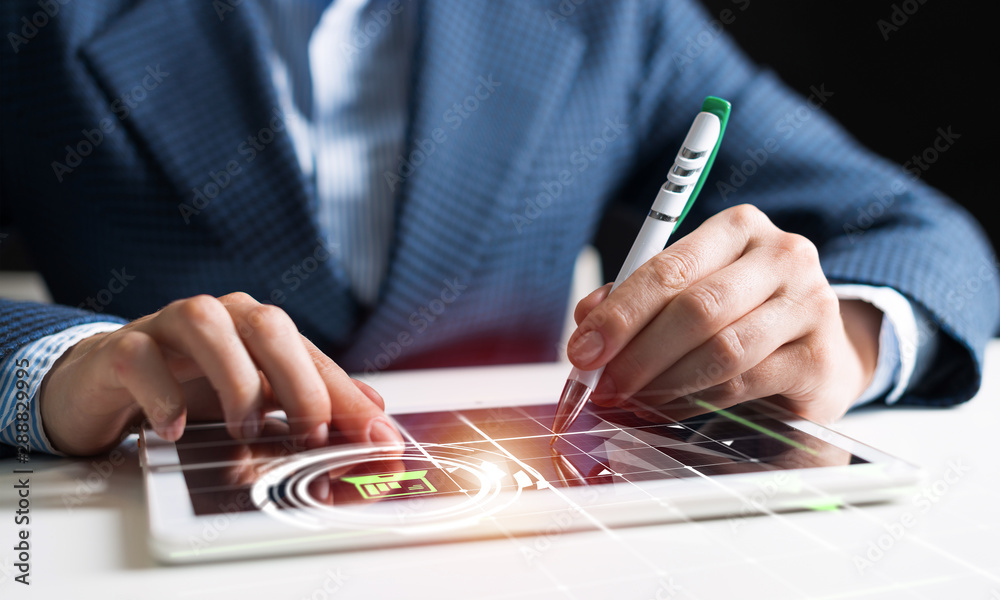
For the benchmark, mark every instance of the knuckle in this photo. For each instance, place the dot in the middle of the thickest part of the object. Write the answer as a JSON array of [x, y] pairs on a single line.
[[817, 302], [799, 248], [200, 311], [827, 301], [614, 320], [729, 349], [819, 358], [243, 389], [703, 306], [673, 269], [315, 392], [747, 217], [736, 387], [320, 406], [238, 298], [327, 369], [270, 320], [332, 383]]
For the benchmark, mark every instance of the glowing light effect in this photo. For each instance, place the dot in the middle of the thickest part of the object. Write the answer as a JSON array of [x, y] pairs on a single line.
[[285, 485]]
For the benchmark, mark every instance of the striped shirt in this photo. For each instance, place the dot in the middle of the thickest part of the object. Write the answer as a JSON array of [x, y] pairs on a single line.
[[343, 77]]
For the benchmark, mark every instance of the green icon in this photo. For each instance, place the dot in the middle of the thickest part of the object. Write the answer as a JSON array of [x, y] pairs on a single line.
[[391, 484]]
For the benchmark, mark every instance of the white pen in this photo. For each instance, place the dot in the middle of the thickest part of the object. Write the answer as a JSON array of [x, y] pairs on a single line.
[[683, 182]]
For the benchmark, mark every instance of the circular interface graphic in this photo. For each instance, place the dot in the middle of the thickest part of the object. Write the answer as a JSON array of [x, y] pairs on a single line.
[[370, 487]]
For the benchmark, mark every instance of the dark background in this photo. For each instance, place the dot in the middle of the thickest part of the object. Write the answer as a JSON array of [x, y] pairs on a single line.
[[939, 69]]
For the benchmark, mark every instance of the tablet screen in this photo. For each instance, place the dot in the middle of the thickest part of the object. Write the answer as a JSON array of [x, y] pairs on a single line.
[[469, 456]]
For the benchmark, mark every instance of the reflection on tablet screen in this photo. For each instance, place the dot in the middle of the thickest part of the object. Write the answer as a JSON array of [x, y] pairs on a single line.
[[605, 446]]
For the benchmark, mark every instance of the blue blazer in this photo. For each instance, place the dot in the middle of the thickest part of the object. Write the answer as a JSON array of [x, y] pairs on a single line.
[[144, 159]]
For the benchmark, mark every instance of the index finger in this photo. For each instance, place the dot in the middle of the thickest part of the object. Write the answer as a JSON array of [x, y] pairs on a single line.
[[627, 310], [354, 412]]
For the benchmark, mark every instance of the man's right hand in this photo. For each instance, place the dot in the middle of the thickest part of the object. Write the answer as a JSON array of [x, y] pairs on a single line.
[[200, 358]]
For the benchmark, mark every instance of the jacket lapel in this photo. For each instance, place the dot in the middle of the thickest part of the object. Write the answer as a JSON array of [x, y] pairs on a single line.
[[479, 109], [488, 77], [224, 148]]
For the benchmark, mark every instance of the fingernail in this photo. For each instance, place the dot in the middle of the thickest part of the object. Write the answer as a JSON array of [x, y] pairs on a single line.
[[172, 431], [319, 437], [587, 348], [251, 426], [381, 432]]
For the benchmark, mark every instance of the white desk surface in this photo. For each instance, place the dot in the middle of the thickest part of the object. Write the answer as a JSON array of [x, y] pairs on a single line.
[[88, 531]]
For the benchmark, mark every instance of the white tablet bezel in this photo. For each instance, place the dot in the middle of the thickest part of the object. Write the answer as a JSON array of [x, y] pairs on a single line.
[[177, 535]]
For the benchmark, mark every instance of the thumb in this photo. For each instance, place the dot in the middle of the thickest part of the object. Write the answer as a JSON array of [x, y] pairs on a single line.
[[588, 303]]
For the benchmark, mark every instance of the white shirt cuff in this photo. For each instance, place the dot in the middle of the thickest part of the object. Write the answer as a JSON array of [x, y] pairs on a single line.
[[21, 376], [898, 340]]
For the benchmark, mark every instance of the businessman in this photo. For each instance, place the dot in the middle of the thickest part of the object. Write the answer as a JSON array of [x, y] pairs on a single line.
[[236, 204]]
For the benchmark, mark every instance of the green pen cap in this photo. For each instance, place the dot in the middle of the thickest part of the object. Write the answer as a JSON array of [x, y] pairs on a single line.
[[720, 108]]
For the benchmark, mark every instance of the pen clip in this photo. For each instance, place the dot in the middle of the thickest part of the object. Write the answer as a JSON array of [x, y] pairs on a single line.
[[721, 109]]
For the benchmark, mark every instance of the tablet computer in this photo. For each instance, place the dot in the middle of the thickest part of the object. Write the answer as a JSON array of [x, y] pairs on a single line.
[[475, 469]]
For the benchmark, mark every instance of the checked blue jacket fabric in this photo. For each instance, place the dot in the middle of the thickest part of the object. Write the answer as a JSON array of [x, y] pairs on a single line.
[[126, 128]]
